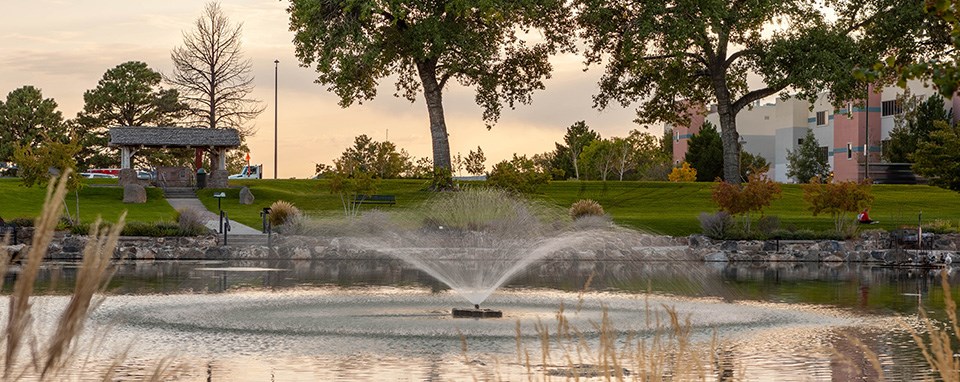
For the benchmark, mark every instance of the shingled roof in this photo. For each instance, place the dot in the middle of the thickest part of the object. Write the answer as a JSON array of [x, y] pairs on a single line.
[[173, 137]]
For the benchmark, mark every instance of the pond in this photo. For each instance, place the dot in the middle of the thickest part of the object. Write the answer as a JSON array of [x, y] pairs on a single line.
[[383, 320]]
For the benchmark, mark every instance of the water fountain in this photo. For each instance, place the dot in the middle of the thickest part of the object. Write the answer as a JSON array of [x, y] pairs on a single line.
[[475, 241]]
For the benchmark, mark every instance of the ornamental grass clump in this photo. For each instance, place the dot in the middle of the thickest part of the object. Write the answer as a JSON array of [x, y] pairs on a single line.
[[53, 353], [190, 222], [585, 207], [282, 212]]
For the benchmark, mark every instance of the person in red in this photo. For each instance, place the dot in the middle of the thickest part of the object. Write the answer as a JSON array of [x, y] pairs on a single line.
[[864, 217]]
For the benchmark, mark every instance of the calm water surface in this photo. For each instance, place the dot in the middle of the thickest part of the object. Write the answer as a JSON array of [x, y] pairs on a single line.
[[382, 320]]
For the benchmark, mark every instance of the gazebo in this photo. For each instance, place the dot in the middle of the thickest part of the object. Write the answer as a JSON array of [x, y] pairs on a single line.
[[215, 142]]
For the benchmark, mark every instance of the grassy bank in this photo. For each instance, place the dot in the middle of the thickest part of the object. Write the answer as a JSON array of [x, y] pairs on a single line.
[[659, 207], [667, 208], [18, 201]]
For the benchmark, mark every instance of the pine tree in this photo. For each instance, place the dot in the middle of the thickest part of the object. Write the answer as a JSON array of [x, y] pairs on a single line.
[[806, 162]]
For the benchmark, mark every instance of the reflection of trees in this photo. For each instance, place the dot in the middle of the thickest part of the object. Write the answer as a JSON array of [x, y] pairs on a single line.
[[853, 285]]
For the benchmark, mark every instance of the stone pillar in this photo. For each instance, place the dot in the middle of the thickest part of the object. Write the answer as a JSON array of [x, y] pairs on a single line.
[[217, 179], [128, 176]]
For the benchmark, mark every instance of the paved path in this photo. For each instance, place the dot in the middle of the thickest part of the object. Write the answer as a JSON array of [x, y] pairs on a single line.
[[212, 220]]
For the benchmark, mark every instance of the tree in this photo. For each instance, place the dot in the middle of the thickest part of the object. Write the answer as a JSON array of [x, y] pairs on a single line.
[[349, 181], [939, 157], [377, 159], [807, 162], [705, 153], [519, 174], [127, 95], [214, 78], [599, 159], [684, 173], [839, 199], [914, 126], [651, 162], [353, 45], [667, 56], [26, 120], [577, 138], [475, 162], [47, 160], [741, 199], [666, 143], [750, 164], [935, 53]]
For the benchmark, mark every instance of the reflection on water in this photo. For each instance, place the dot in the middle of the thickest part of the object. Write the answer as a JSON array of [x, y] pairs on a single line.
[[375, 320]]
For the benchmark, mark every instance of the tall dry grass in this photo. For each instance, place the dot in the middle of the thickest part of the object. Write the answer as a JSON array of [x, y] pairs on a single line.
[[42, 355], [937, 347]]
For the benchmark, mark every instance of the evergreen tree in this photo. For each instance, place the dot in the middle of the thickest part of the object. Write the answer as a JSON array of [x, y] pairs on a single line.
[[806, 162], [913, 127], [705, 153]]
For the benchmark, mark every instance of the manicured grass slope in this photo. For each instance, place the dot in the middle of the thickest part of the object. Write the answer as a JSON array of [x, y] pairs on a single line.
[[18, 201], [667, 208]]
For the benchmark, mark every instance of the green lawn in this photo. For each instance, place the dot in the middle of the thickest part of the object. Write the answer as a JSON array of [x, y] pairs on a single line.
[[18, 201], [660, 207]]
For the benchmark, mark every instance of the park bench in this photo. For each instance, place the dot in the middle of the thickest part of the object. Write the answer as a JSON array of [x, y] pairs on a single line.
[[375, 199]]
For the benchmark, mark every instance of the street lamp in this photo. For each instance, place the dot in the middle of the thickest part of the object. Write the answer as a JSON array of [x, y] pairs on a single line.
[[276, 71]]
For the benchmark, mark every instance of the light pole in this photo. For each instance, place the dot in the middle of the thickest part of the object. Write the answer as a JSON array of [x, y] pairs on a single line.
[[276, 71]]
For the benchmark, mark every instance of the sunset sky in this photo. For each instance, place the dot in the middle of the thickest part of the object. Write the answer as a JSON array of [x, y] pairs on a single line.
[[64, 47]]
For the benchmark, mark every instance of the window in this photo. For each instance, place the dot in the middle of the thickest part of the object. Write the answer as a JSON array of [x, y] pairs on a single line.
[[799, 141], [821, 118], [824, 153], [849, 151], [676, 136], [766, 118], [891, 107]]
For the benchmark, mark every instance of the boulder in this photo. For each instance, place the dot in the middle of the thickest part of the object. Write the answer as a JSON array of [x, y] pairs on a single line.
[[246, 197], [134, 193]]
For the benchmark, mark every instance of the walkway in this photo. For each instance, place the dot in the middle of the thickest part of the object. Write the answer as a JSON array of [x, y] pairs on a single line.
[[212, 220]]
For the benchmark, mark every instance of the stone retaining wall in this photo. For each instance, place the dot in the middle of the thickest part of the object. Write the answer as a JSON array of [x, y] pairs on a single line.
[[868, 248]]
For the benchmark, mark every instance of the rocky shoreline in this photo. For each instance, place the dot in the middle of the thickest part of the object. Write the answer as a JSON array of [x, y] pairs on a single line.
[[870, 247]]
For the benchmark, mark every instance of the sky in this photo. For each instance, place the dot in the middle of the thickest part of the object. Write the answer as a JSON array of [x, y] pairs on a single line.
[[64, 48]]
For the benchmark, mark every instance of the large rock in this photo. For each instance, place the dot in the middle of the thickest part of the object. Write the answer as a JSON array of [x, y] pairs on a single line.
[[134, 193], [246, 197]]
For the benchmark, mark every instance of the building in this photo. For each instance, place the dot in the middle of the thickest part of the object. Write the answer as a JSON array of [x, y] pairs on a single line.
[[771, 129]]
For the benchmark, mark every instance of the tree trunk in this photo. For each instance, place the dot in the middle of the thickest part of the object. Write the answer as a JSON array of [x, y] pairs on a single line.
[[728, 131], [433, 94], [576, 169]]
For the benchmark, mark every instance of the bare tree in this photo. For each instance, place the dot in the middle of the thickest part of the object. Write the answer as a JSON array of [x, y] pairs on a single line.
[[213, 76]]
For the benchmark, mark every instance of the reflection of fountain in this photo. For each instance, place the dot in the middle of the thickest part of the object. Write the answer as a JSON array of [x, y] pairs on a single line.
[[475, 241]]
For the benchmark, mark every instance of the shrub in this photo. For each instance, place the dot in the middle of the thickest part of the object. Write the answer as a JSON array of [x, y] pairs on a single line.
[[21, 222], [839, 199], [585, 207], [281, 212], [518, 175], [940, 226], [716, 225], [190, 221], [768, 224], [742, 199], [684, 173]]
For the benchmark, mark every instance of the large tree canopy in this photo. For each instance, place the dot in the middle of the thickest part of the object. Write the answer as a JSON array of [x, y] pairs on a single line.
[[127, 95], [668, 55], [480, 44], [25, 118]]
